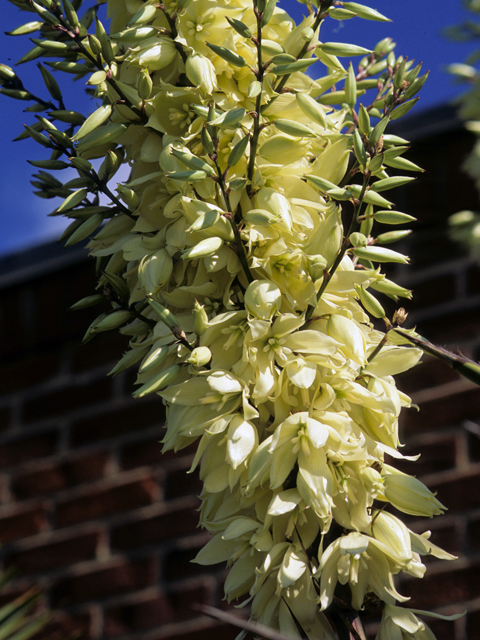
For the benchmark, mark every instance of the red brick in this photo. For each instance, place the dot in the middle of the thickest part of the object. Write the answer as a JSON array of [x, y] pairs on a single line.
[[473, 280], [54, 294], [437, 455], [61, 476], [154, 530], [56, 554], [28, 371], [454, 585], [63, 626], [145, 453], [13, 336], [442, 411], [447, 327], [5, 416], [22, 523], [473, 534], [67, 400], [460, 492], [447, 536], [180, 483], [473, 624], [104, 348], [428, 373], [177, 564], [21, 450], [113, 424], [435, 291], [474, 446], [154, 611], [442, 629], [208, 631], [101, 583], [98, 503], [149, 452]]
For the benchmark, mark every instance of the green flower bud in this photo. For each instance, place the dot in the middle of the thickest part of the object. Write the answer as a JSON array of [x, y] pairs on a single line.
[[203, 249], [146, 14], [239, 27], [70, 117], [254, 89], [311, 108], [411, 496], [200, 319], [238, 152], [366, 13], [293, 128], [200, 356], [201, 72], [89, 301], [144, 84], [292, 67], [166, 316], [391, 289], [85, 230], [391, 183], [392, 217], [393, 236], [25, 29], [403, 109], [379, 254], [129, 359], [229, 56], [159, 381], [113, 320], [371, 304], [343, 49], [154, 359]]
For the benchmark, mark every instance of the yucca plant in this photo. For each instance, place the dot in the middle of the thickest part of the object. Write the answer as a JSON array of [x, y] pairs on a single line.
[[252, 309]]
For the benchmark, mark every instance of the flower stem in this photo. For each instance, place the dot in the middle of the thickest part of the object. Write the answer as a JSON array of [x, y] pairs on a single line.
[[343, 249], [258, 102]]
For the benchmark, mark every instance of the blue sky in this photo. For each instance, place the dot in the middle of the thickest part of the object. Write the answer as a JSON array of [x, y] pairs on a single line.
[[416, 27]]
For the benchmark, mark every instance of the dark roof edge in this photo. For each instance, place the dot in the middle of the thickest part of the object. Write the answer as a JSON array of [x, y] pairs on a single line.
[[38, 261]]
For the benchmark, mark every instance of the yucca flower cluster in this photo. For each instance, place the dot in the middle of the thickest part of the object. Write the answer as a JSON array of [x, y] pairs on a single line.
[[240, 257]]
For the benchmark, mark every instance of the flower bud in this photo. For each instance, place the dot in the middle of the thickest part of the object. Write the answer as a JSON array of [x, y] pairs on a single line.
[[393, 533], [201, 72], [263, 299], [203, 249], [200, 356], [200, 319], [113, 320], [411, 496], [144, 83], [350, 337]]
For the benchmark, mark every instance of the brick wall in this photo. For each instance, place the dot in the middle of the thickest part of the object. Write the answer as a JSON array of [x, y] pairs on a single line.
[[91, 510]]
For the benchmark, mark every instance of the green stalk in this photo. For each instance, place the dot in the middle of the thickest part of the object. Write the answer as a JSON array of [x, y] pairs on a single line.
[[343, 249], [258, 102], [238, 240]]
